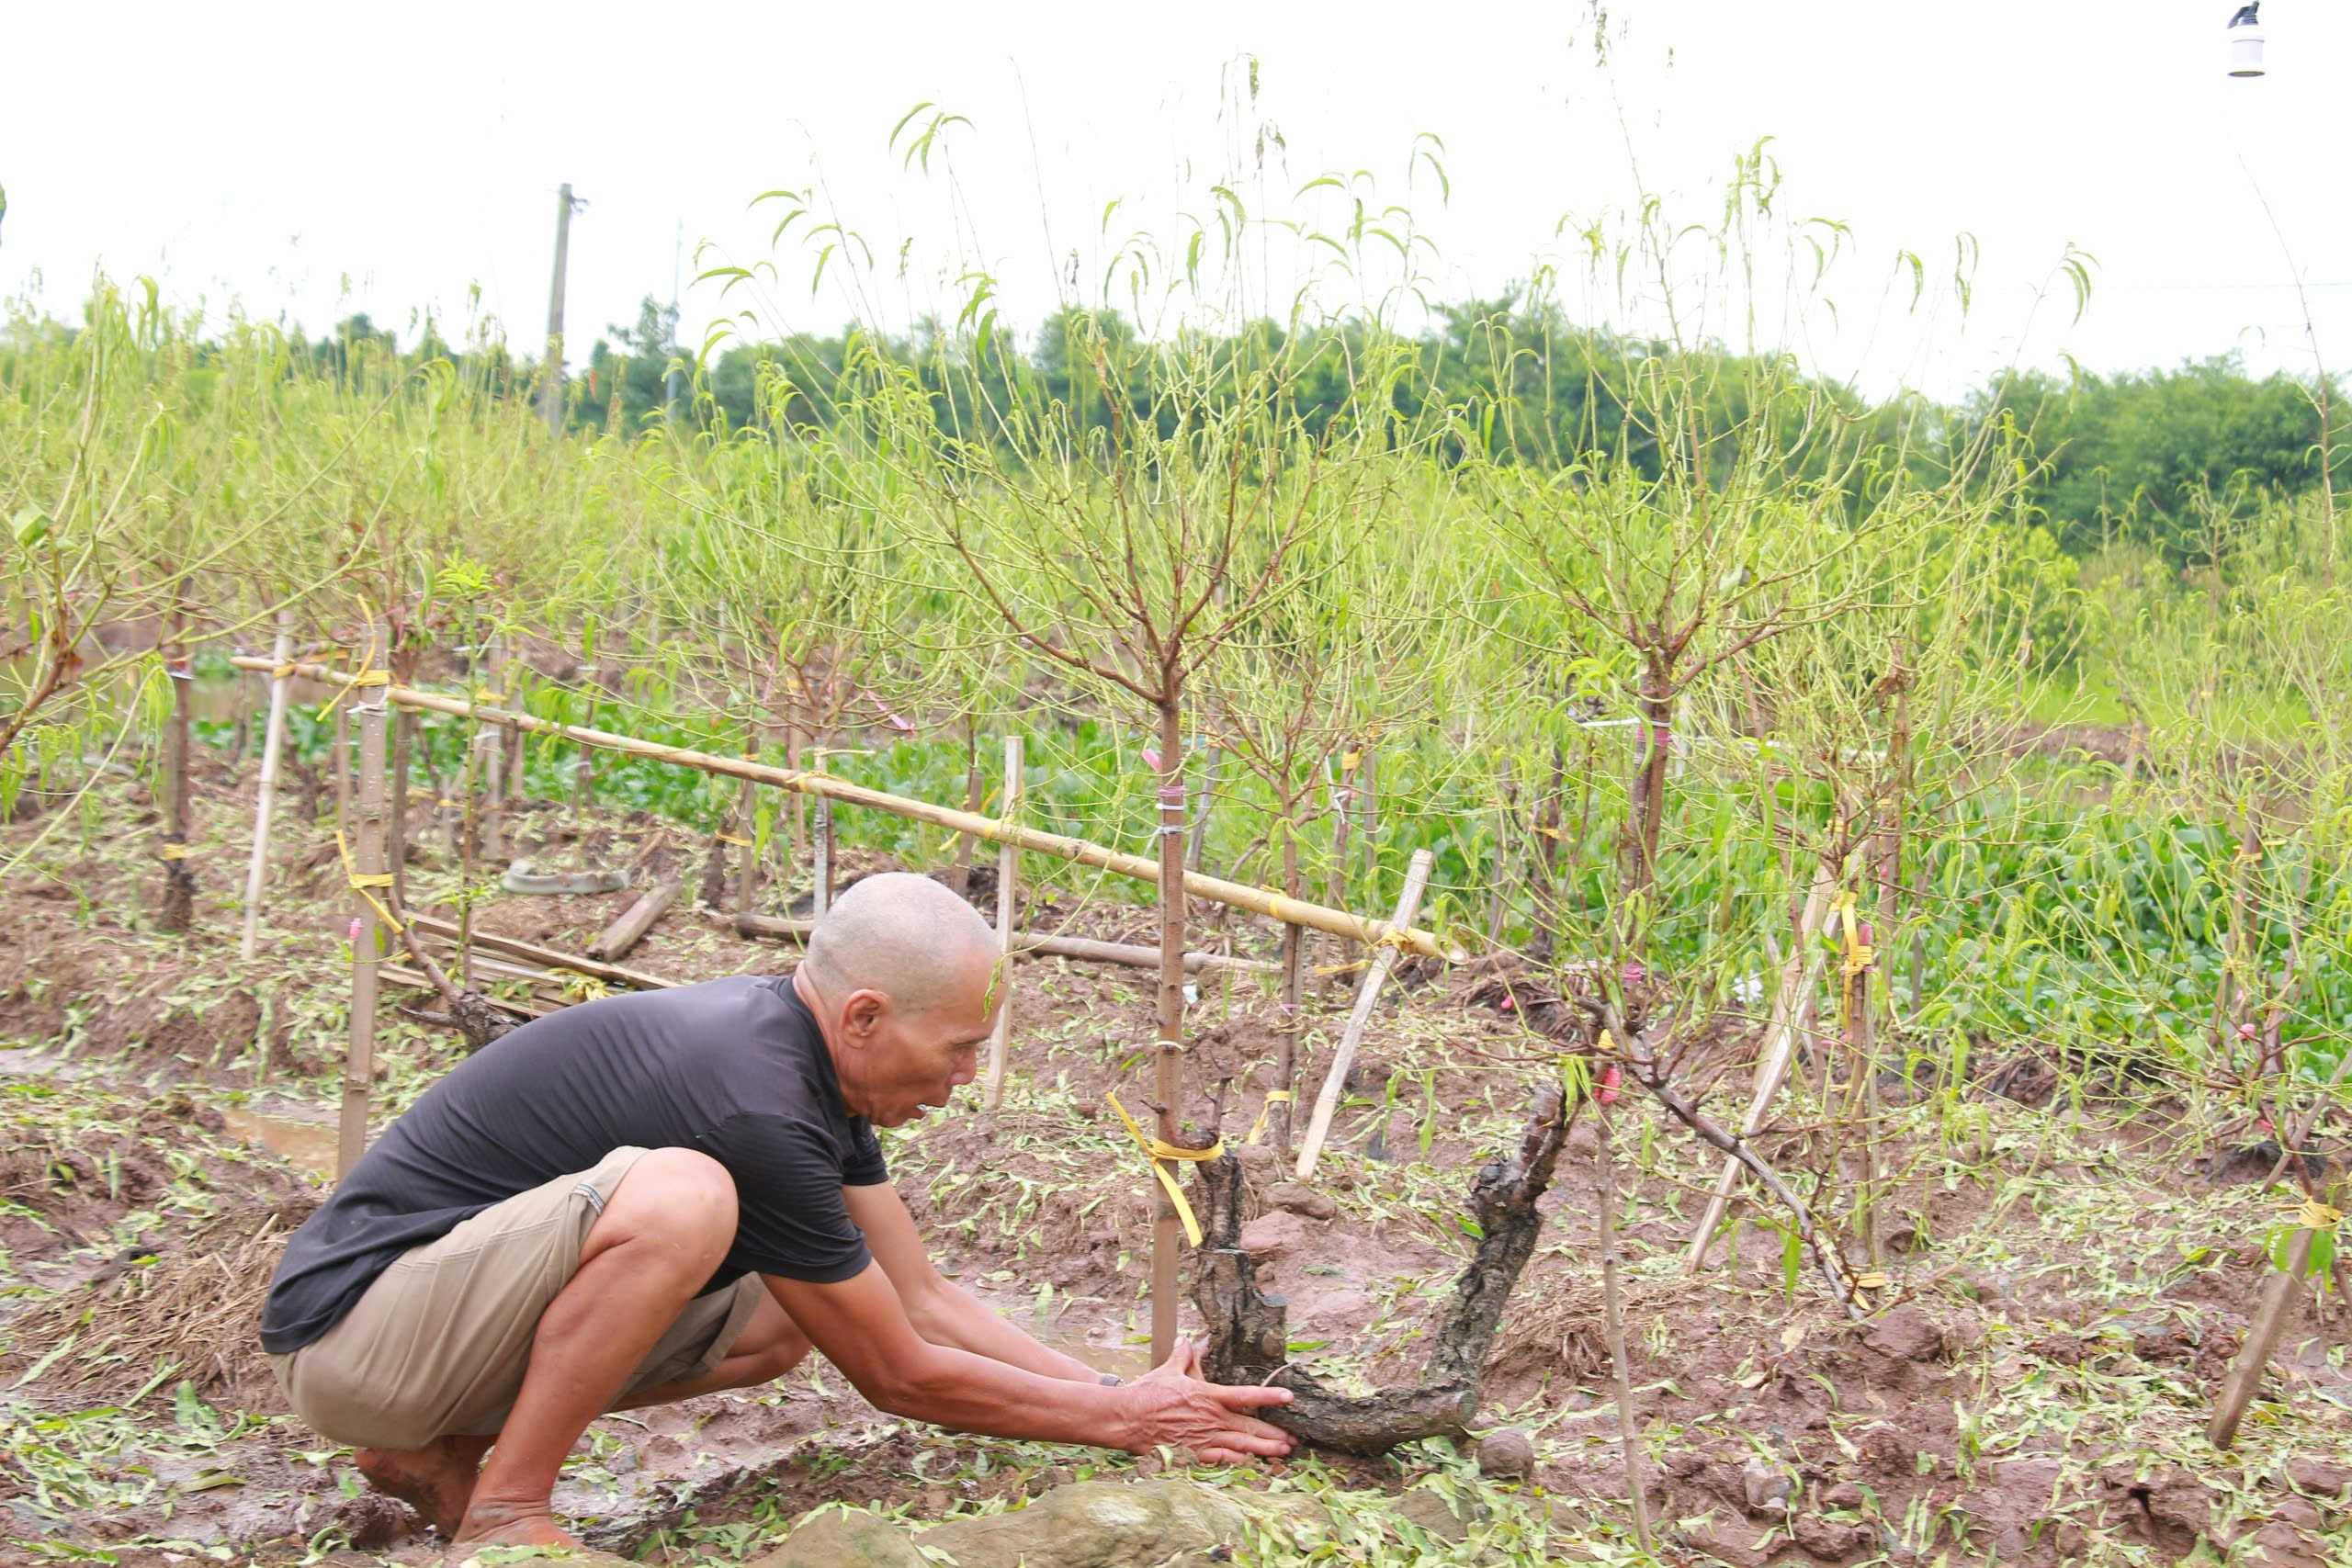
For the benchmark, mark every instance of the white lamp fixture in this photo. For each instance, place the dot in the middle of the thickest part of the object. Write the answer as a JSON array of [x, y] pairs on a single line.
[[2245, 40]]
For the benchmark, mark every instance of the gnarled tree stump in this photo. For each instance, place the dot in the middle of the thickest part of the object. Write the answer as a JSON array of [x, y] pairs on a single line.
[[1248, 1331]]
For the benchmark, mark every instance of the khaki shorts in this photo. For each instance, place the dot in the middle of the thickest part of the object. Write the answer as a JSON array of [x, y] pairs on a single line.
[[439, 1343]]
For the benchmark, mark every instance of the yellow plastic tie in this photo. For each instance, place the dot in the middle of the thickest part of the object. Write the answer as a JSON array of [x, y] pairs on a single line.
[[280, 671], [1158, 1152], [1273, 1097], [1348, 761], [363, 886], [2314, 1215], [486, 695], [735, 839], [1348, 968], [357, 678], [173, 851], [1859, 954]]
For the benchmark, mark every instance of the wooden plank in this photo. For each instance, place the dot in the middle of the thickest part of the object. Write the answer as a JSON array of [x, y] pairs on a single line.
[[636, 921]]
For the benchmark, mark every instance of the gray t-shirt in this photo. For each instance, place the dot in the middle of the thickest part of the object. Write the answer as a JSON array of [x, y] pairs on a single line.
[[736, 1068]]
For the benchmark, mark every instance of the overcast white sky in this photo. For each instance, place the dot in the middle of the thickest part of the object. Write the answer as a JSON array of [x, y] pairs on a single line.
[[302, 161]]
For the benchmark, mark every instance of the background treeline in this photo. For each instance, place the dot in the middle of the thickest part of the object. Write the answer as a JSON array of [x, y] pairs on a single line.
[[2177, 461]]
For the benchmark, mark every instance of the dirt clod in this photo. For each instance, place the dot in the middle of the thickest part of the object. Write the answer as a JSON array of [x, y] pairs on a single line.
[[1907, 1333], [1507, 1453], [1305, 1200]]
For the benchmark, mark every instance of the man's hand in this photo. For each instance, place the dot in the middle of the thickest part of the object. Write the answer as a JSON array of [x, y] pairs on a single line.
[[1172, 1403]]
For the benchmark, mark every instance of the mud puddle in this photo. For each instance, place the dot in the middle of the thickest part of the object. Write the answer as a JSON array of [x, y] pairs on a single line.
[[299, 1140]]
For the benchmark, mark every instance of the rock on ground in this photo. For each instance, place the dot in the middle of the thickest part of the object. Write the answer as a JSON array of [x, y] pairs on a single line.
[[1097, 1524], [1507, 1453], [844, 1540]]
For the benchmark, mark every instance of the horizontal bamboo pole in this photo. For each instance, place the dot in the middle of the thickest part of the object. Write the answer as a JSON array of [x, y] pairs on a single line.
[[1026, 945], [1260, 900], [554, 958], [418, 978]]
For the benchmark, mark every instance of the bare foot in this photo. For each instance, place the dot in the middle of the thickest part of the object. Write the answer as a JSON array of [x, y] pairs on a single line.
[[491, 1523], [437, 1480]]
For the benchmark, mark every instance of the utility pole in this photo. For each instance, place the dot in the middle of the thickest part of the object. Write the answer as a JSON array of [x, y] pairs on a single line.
[[670, 386], [551, 371]]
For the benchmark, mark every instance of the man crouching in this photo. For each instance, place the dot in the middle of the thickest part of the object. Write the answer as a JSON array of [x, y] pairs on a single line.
[[655, 1196]]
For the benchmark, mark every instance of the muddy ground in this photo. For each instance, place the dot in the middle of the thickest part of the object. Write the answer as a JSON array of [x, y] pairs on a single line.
[[2067, 1275]]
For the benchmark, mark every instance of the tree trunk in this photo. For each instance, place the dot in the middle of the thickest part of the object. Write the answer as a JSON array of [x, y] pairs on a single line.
[[179, 883], [1278, 1115], [1648, 804]]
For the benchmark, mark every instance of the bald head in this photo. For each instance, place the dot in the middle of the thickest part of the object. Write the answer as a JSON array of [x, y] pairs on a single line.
[[905, 936]]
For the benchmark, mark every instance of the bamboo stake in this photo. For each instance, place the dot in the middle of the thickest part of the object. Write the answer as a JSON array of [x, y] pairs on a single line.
[[747, 866], [1259, 900], [1613, 1305], [273, 747], [2279, 1294], [1168, 1058], [1326, 1102], [342, 759], [820, 867], [492, 741], [515, 743], [1343, 795], [367, 860], [1800, 975], [1201, 811], [959, 876], [1496, 900], [179, 885], [396, 834], [583, 767], [1889, 833], [1008, 877], [1863, 1063]]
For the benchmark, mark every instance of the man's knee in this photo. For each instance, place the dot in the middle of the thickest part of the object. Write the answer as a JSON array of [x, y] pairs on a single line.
[[681, 1195]]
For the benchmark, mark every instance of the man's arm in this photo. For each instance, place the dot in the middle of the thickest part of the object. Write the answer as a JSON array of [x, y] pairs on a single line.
[[942, 1312], [861, 1328]]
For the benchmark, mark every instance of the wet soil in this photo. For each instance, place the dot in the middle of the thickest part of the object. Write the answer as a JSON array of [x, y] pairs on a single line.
[[2066, 1283]]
